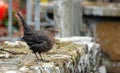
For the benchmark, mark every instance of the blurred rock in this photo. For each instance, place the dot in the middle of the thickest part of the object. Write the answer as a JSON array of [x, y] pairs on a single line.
[[103, 69], [24, 69], [4, 54], [17, 47], [101, 9], [111, 66], [13, 71], [15, 44]]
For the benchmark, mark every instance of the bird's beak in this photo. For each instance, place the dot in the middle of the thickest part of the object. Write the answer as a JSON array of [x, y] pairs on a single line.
[[57, 30]]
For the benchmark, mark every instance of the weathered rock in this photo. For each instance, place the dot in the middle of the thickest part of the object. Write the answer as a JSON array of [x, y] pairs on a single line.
[[11, 72], [111, 66], [24, 69], [16, 47], [79, 55], [16, 44], [4, 54], [103, 69]]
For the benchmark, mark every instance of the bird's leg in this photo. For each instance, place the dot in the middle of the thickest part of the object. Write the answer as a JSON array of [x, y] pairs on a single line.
[[41, 56], [36, 56], [38, 60]]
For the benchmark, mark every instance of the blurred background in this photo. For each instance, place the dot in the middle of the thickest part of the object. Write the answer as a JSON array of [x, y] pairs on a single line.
[[93, 12], [99, 19], [27, 9]]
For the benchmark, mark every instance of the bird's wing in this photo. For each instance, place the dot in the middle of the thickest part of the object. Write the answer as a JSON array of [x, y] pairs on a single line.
[[42, 38], [35, 37], [42, 47]]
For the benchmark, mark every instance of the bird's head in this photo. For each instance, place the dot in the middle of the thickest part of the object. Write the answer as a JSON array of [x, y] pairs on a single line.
[[52, 31]]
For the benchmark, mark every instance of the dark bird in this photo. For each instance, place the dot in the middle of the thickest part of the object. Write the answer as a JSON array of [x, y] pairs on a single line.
[[38, 41]]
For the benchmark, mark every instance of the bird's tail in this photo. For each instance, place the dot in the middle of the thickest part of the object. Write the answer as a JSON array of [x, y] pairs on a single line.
[[26, 28]]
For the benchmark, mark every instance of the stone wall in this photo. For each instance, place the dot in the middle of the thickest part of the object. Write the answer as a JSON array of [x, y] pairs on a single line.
[[69, 55]]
